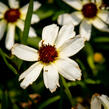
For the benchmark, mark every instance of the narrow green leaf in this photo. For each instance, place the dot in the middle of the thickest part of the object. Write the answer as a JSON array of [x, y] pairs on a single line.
[[67, 91], [101, 39], [7, 63], [34, 41], [27, 23], [4, 103], [49, 101], [90, 57]]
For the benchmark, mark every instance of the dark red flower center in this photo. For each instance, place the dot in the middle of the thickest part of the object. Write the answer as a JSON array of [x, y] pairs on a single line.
[[47, 53], [12, 15], [89, 10]]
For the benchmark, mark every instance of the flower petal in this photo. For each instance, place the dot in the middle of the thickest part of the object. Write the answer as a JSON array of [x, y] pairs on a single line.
[[105, 101], [2, 28], [73, 18], [72, 46], [100, 25], [104, 15], [85, 29], [13, 4], [95, 102], [51, 77], [3, 7], [64, 19], [49, 34], [35, 19], [30, 75], [9, 42], [98, 3], [65, 33], [24, 52], [1, 15], [77, 4], [32, 32], [68, 68], [36, 5], [85, 1]]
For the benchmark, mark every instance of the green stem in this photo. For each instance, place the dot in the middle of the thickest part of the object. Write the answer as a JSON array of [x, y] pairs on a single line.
[[67, 91], [6, 62]]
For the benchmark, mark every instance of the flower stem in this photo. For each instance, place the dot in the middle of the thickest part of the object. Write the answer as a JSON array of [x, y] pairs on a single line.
[[67, 91]]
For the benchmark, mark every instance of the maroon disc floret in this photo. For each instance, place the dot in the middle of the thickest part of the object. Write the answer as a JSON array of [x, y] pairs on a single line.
[[47, 53], [12, 15], [89, 10]]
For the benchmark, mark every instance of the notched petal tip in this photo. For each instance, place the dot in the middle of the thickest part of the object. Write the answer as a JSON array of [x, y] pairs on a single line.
[[13, 48]]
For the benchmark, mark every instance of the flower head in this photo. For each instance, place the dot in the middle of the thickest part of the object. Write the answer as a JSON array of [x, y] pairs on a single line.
[[88, 13], [14, 16], [55, 48]]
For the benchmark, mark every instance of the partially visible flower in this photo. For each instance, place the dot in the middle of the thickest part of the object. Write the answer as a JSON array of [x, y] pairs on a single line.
[[97, 101], [53, 55], [88, 13], [15, 16]]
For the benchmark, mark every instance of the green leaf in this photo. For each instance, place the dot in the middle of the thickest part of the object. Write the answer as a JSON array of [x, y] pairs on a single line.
[[7, 63], [49, 101], [27, 23], [34, 41], [90, 57], [90, 81], [102, 39], [67, 91], [44, 12], [5, 101]]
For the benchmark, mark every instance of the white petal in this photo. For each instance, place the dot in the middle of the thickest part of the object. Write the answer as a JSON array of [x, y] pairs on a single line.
[[68, 68], [85, 1], [104, 15], [65, 33], [36, 5], [77, 17], [24, 52], [73, 18], [64, 19], [3, 7], [30, 75], [105, 101], [98, 2], [20, 24], [49, 34], [13, 4], [9, 42], [72, 46], [77, 4], [95, 102], [51, 77], [35, 19], [100, 25], [1, 15], [32, 32], [85, 29], [2, 28]]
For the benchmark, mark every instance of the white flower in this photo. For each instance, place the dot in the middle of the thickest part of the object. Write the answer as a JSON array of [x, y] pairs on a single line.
[[55, 48], [97, 101], [15, 16], [88, 13]]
